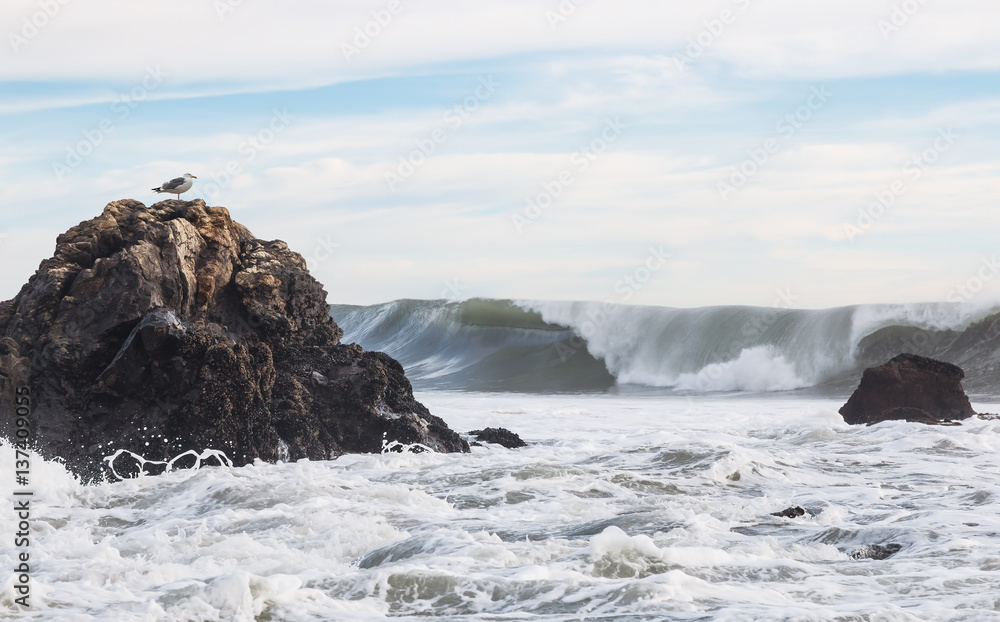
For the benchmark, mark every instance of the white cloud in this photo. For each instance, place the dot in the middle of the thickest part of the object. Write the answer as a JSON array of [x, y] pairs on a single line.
[[298, 43], [321, 180]]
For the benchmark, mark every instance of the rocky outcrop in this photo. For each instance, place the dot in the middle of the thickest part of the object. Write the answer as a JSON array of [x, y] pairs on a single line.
[[912, 388], [792, 512], [875, 551], [172, 328], [499, 436]]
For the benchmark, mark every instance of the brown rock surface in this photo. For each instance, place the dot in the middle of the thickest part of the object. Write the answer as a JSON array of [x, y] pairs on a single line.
[[171, 328], [912, 388]]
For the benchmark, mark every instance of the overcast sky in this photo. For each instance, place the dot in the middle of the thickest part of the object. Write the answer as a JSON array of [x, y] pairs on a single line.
[[757, 152]]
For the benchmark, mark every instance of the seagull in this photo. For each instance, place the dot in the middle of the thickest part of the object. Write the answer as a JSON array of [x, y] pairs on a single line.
[[178, 185]]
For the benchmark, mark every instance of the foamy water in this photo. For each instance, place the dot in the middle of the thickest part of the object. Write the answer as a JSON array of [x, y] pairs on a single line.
[[622, 508]]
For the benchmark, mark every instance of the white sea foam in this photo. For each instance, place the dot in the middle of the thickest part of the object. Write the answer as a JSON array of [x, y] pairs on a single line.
[[140, 462], [756, 369], [622, 508], [927, 316], [710, 349]]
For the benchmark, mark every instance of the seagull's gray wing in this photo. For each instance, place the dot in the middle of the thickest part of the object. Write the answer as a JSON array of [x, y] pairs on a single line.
[[173, 183]]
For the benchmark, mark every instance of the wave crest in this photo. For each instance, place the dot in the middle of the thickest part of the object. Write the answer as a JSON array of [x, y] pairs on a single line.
[[504, 345]]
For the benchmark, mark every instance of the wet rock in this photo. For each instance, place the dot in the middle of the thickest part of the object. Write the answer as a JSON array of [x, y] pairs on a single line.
[[172, 328], [792, 512], [500, 436], [875, 551], [911, 388]]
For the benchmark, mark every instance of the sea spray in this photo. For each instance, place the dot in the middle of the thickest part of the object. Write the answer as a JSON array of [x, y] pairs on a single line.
[[219, 457]]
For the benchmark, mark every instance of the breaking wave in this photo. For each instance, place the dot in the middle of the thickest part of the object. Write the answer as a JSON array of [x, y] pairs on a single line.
[[505, 345]]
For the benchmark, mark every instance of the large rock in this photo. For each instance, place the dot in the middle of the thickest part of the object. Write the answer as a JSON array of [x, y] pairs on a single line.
[[909, 387], [172, 328]]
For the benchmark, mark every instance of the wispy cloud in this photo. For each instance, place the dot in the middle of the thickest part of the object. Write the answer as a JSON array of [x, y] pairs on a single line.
[[320, 184]]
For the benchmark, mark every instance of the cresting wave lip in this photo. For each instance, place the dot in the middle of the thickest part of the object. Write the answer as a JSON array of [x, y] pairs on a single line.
[[549, 346], [478, 345]]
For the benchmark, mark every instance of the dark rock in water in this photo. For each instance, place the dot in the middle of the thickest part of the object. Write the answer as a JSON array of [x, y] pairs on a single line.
[[500, 436], [172, 328], [911, 388], [792, 512], [875, 551]]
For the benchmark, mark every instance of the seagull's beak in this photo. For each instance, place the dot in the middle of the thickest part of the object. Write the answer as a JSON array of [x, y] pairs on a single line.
[[195, 176]]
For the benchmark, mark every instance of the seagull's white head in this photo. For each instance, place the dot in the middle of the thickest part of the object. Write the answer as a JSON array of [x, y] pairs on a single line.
[[190, 175]]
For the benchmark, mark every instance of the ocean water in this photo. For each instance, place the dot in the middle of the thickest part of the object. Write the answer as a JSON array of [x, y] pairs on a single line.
[[622, 508], [504, 345], [633, 501]]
